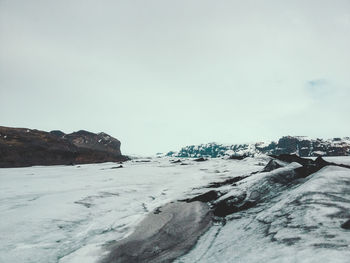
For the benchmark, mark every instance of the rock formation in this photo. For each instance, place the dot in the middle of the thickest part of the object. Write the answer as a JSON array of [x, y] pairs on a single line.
[[21, 147]]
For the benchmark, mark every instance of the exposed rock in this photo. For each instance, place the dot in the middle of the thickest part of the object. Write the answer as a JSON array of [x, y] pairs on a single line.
[[200, 159], [313, 165], [289, 158], [261, 190], [272, 165], [206, 197], [237, 157], [99, 142], [346, 225], [229, 181], [25, 147], [227, 208], [57, 133], [117, 167]]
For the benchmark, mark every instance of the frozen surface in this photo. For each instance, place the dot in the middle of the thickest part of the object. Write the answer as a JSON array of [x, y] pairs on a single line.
[[71, 213], [301, 224], [165, 235], [67, 213], [339, 160]]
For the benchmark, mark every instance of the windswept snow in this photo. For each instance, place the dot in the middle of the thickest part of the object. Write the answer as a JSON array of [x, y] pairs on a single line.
[[68, 214], [302, 224]]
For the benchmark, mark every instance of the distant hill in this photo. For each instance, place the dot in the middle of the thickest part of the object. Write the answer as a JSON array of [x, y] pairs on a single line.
[[26, 147], [300, 145]]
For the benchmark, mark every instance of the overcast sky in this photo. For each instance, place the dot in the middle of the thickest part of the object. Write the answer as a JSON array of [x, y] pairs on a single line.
[[161, 74]]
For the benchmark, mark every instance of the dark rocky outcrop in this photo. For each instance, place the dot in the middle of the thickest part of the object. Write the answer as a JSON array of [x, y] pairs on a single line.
[[57, 133], [265, 188], [237, 157], [100, 141], [314, 165], [271, 165], [226, 208], [346, 225], [206, 197], [200, 159], [229, 181], [21, 147], [306, 147], [289, 158], [117, 167]]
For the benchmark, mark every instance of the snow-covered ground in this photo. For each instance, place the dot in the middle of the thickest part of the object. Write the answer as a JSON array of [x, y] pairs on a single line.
[[302, 224], [69, 213]]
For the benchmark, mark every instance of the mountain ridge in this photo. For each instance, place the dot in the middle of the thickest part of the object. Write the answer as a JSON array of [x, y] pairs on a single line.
[[20, 147], [299, 145]]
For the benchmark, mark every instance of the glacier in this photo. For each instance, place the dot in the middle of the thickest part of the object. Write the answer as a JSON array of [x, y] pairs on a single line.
[[71, 213]]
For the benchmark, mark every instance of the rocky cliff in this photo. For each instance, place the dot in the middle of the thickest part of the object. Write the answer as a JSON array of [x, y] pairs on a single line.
[[26, 147]]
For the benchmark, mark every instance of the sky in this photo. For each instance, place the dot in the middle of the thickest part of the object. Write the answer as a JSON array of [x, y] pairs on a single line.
[[159, 74]]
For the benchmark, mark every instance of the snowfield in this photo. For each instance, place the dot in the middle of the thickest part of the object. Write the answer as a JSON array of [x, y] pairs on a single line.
[[71, 213], [301, 225]]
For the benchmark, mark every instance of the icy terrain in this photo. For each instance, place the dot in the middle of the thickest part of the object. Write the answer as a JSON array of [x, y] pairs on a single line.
[[301, 145], [296, 223], [66, 213], [70, 213]]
